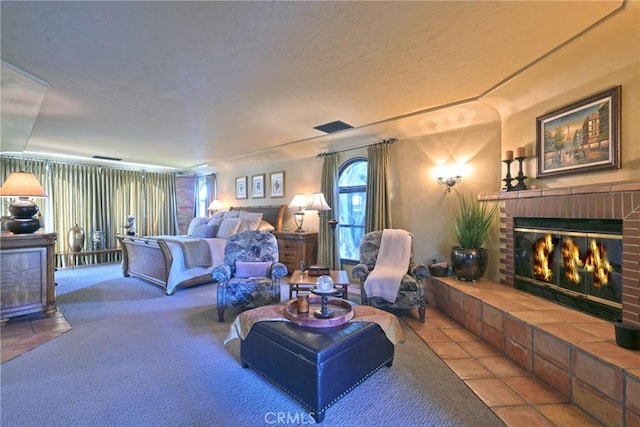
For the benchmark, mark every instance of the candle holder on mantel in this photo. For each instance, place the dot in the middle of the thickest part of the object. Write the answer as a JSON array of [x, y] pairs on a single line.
[[508, 179], [521, 177]]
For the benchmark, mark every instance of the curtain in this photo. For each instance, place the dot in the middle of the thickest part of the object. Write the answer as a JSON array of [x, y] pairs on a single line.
[[378, 216], [327, 244], [99, 198], [212, 189]]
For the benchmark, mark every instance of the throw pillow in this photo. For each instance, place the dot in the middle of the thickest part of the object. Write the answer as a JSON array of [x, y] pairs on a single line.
[[218, 215], [250, 221], [251, 269], [231, 214], [228, 227], [215, 221], [265, 226], [196, 222], [204, 230]]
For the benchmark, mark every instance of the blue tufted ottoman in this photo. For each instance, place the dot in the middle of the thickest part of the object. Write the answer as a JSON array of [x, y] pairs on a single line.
[[317, 366]]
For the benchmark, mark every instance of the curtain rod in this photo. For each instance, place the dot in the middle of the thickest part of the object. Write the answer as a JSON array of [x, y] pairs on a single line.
[[79, 162], [384, 141]]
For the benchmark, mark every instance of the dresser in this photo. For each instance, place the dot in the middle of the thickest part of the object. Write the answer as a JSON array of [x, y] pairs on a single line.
[[27, 265], [296, 247]]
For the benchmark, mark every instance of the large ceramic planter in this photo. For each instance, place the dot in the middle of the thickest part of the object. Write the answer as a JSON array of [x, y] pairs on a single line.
[[469, 264], [627, 336]]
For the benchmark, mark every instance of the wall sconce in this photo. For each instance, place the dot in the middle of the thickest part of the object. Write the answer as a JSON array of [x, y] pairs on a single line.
[[449, 182], [22, 185], [300, 202]]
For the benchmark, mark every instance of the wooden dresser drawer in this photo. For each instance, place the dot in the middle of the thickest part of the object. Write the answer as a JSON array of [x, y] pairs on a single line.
[[296, 247]]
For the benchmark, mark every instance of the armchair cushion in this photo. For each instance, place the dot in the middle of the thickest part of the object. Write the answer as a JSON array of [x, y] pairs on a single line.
[[252, 269]]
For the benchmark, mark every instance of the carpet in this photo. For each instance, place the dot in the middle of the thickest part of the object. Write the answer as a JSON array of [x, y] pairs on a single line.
[[136, 357]]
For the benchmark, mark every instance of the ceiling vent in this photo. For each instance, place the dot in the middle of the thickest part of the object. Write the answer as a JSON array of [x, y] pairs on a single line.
[[333, 127], [114, 159]]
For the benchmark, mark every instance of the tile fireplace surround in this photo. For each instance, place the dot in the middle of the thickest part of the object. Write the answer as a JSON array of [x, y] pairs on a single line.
[[607, 201], [572, 352]]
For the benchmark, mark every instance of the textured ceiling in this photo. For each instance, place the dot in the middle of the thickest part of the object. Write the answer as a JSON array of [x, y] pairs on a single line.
[[182, 84]]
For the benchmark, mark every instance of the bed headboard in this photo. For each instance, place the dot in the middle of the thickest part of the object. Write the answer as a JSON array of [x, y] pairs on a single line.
[[272, 214]]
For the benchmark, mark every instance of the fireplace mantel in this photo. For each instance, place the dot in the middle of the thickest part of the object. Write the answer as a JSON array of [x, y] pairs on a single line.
[[619, 200], [616, 187]]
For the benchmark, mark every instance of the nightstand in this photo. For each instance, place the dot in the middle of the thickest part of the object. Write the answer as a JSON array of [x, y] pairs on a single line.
[[296, 247]]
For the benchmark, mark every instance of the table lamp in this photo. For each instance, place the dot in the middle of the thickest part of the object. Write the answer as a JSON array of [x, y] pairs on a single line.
[[300, 202], [22, 185]]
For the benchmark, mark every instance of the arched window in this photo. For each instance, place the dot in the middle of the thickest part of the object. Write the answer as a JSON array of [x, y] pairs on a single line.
[[352, 189], [202, 196]]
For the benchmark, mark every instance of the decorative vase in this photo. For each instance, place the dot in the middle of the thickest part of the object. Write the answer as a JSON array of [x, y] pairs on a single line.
[[469, 264], [76, 238]]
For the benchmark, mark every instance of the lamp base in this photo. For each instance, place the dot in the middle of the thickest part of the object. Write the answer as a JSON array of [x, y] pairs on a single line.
[[23, 225]]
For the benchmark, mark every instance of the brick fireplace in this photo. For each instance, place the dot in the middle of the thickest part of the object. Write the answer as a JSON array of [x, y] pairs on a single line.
[[619, 201]]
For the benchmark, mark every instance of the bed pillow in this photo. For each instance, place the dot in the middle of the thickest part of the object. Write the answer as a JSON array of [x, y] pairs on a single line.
[[265, 226], [196, 222], [249, 220], [251, 269], [228, 227], [231, 214], [218, 215], [205, 230], [215, 221]]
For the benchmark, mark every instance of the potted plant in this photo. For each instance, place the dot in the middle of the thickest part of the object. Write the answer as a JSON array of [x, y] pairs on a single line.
[[473, 221]]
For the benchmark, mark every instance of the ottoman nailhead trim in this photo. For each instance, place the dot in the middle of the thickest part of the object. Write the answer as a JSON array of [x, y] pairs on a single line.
[[271, 380]]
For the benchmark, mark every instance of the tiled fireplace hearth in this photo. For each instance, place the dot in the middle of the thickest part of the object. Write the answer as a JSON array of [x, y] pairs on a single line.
[[608, 202], [572, 352]]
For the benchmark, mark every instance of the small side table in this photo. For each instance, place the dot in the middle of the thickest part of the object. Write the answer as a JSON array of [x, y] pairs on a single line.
[[305, 282]]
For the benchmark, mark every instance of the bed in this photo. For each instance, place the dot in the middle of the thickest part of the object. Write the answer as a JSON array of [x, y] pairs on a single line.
[[172, 262]]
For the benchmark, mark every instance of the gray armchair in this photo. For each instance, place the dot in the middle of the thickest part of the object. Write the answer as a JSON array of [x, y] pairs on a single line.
[[250, 275], [411, 292]]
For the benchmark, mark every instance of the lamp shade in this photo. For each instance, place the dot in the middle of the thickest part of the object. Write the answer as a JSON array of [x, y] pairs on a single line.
[[22, 184], [318, 203], [299, 201], [215, 205]]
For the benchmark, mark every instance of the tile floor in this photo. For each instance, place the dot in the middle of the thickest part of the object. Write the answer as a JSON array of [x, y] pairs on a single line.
[[516, 396], [23, 333]]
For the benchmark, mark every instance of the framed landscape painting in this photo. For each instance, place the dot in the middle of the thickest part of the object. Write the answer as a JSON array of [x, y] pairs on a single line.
[[257, 185], [582, 137], [241, 187], [277, 184]]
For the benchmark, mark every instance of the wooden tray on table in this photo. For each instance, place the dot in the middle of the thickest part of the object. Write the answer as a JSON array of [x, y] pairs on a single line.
[[343, 310]]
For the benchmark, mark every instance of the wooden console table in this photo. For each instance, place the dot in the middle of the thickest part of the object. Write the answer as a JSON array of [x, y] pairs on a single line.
[[27, 265], [97, 254]]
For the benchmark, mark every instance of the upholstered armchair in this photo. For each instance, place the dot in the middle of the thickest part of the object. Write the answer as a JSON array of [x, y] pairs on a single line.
[[411, 291], [250, 275]]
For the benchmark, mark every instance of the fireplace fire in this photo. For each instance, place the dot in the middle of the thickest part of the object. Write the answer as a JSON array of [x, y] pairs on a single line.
[[574, 262]]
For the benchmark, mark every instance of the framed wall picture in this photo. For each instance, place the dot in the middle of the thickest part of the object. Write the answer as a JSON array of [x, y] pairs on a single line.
[[277, 184], [581, 137], [241, 187], [257, 186]]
